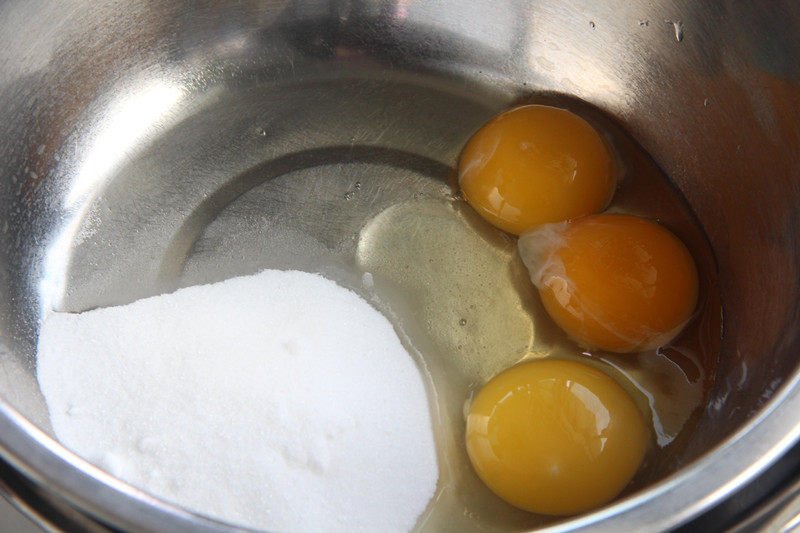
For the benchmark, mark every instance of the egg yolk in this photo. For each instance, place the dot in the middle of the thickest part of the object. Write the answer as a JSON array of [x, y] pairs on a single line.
[[536, 164], [615, 282], [555, 437]]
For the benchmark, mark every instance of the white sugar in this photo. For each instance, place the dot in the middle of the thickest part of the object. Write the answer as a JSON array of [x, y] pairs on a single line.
[[279, 401]]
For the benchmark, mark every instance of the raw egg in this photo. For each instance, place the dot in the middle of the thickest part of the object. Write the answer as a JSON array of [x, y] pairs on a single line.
[[555, 437], [616, 282], [536, 164]]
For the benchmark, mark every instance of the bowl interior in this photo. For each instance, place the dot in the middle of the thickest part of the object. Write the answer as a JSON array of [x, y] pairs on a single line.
[[150, 148]]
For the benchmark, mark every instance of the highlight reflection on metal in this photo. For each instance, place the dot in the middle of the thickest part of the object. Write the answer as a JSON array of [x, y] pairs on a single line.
[[122, 128]]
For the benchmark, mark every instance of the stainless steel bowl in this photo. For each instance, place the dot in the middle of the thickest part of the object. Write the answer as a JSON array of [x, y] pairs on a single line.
[[128, 129]]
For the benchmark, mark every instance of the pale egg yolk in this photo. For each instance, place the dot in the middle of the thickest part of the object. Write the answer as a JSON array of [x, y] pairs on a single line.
[[615, 282], [555, 437], [536, 164]]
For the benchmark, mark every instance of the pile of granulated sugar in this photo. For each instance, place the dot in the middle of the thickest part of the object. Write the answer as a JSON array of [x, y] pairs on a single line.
[[279, 401]]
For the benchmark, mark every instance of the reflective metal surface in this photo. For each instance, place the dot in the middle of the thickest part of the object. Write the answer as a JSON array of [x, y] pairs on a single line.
[[127, 128]]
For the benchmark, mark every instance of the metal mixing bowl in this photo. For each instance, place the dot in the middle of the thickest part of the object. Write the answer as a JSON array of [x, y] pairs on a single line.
[[127, 129]]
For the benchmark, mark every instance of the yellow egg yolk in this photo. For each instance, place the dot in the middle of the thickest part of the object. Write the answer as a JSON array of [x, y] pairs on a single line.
[[615, 282], [555, 437], [536, 164]]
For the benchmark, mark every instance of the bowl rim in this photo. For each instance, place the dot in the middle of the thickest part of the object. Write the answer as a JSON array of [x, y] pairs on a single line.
[[667, 504]]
